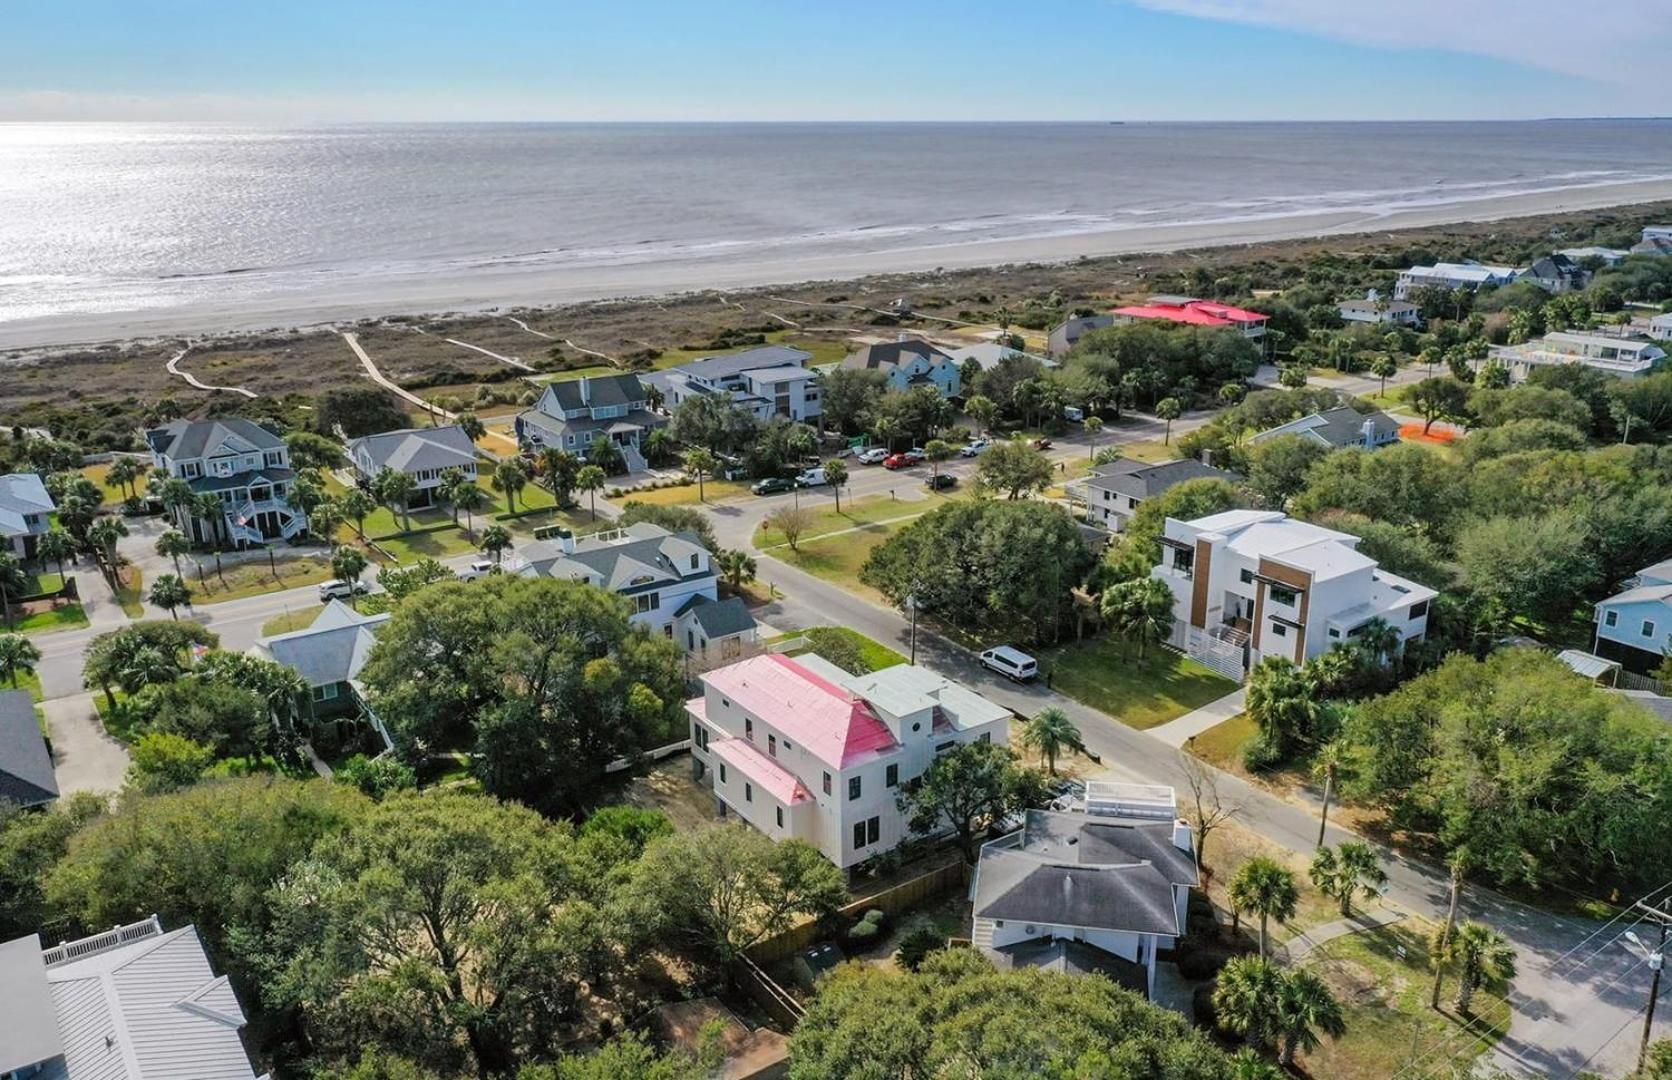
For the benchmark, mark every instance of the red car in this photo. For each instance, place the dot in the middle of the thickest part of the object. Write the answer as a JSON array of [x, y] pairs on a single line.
[[904, 458]]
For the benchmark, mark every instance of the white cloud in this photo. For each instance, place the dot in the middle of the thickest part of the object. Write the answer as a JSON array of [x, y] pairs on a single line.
[[1609, 44]]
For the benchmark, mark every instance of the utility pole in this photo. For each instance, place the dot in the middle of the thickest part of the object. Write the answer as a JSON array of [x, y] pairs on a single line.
[[911, 602], [1457, 865], [1656, 962]]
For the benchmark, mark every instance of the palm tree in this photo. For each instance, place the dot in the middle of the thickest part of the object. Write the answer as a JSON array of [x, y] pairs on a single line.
[[1281, 702], [56, 546], [395, 489], [1247, 1065], [700, 463], [11, 580], [1459, 865], [209, 509], [836, 475], [1327, 765], [104, 535], [591, 479], [1093, 426], [937, 451], [1141, 610], [738, 566], [325, 519], [472, 427], [470, 498], [1168, 409], [509, 476], [1482, 955], [357, 504], [148, 666], [1266, 888], [169, 592], [346, 566], [982, 410], [559, 467], [452, 482], [1378, 638], [1245, 998], [178, 499], [1384, 367], [124, 471], [1051, 732], [1305, 1008], [495, 540], [1347, 870], [171, 545], [18, 657]]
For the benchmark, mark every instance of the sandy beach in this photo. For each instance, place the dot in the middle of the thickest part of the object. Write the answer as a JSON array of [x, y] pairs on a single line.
[[489, 288]]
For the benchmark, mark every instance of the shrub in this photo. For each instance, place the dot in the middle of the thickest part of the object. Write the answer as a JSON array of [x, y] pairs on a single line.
[[1196, 963], [1261, 754], [1207, 1017], [918, 944]]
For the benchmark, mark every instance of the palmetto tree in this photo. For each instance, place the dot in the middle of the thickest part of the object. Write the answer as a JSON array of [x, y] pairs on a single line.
[[357, 504], [1168, 409], [178, 499], [560, 468], [394, 489], [1305, 1008], [1140, 610], [836, 475], [700, 463], [452, 482], [148, 666], [105, 534], [510, 477], [1051, 732], [346, 566], [738, 566], [983, 410], [1093, 426], [124, 471], [471, 425], [170, 592], [937, 451], [1384, 367], [471, 499], [18, 657], [1327, 766], [171, 545], [324, 520], [1346, 871], [56, 546], [495, 540], [209, 509], [1267, 889], [1245, 999], [1481, 955], [591, 479], [11, 583]]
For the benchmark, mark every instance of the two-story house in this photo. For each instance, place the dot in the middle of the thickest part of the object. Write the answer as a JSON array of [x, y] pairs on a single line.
[[242, 464], [1067, 334], [1113, 492], [909, 363], [1557, 273], [1621, 358], [1104, 889], [772, 380], [1338, 428], [1248, 584], [1380, 311], [1635, 626], [425, 454], [801, 749], [1189, 311], [667, 576], [573, 414], [25, 513]]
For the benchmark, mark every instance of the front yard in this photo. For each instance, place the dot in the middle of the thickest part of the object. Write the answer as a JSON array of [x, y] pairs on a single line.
[[44, 619], [256, 578], [1106, 673], [823, 520]]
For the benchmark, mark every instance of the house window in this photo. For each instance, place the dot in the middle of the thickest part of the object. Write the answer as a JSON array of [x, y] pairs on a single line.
[[690, 641], [694, 561], [873, 829], [649, 602], [1612, 618], [1333, 632], [1648, 628], [772, 744], [722, 772], [748, 793], [945, 746], [1279, 630], [891, 776], [748, 729], [325, 693], [780, 812], [1418, 610], [1184, 561], [1246, 577], [858, 835], [853, 788], [1286, 597]]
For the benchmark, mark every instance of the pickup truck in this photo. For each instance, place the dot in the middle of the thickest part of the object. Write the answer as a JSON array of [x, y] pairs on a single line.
[[481, 568]]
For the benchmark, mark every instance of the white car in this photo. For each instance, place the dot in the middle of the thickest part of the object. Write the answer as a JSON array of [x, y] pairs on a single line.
[[812, 478], [341, 590], [974, 447], [1013, 664], [481, 568], [874, 456]]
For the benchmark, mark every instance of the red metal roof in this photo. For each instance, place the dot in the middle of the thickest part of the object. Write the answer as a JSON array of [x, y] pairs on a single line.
[[760, 770], [1195, 313], [823, 718]]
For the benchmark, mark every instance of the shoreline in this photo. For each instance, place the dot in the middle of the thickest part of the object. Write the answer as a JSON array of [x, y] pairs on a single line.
[[523, 288]]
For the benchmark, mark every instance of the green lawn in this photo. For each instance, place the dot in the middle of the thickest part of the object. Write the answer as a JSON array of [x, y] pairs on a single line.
[[256, 578], [1382, 979], [868, 510], [875, 654], [299, 619], [115, 721], [41, 584], [63, 617], [1105, 673], [436, 543], [685, 494], [837, 559], [131, 594], [1221, 745], [26, 681]]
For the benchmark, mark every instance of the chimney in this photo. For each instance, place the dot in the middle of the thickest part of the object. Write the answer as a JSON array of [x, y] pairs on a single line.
[[1183, 838], [1207, 456], [902, 337], [1372, 295], [566, 540], [1369, 430], [586, 389]]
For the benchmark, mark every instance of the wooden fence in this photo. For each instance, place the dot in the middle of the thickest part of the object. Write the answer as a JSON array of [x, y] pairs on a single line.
[[895, 901]]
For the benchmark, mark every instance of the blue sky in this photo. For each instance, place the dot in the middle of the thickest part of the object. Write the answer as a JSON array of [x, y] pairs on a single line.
[[335, 60]]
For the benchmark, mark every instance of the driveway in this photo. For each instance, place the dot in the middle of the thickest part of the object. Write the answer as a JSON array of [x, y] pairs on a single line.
[[84, 757]]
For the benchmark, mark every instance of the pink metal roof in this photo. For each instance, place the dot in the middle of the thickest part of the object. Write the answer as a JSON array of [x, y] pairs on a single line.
[[822, 717], [1195, 313], [760, 770]]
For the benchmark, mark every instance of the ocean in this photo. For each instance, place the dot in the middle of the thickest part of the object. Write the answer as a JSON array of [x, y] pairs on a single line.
[[101, 219]]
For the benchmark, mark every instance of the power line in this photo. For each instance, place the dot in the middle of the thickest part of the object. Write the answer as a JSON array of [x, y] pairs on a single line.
[[1624, 911]]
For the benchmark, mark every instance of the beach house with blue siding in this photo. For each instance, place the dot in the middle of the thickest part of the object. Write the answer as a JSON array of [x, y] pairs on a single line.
[[909, 363], [1635, 626]]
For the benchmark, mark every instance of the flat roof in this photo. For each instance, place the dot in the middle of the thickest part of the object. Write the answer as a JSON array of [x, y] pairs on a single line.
[[28, 1023]]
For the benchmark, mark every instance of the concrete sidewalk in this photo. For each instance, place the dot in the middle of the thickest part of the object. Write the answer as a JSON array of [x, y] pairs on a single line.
[[1296, 948], [1176, 732]]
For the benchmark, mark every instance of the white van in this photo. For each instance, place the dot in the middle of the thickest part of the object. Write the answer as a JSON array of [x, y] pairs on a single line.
[[1013, 664], [1073, 415], [813, 478]]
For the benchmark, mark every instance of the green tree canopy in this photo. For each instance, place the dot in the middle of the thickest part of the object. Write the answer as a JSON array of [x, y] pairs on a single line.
[[969, 789]]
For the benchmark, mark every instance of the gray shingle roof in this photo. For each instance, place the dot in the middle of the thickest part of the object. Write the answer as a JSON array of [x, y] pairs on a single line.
[[416, 449], [239, 480], [719, 618], [187, 439], [890, 354], [21, 494], [602, 391], [26, 775], [1142, 480], [650, 552], [332, 650]]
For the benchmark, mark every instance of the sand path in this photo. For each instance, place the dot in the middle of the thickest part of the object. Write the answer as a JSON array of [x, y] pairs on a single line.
[[174, 369]]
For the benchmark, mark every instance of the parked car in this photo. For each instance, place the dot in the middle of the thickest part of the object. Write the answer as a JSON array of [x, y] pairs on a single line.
[[876, 455], [1042, 444], [772, 485], [1073, 415], [481, 568], [341, 590], [900, 460], [974, 447], [941, 482], [812, 478], [1013, 664]]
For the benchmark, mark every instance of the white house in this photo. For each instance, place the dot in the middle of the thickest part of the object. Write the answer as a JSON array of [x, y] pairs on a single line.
[[799, 748], [1248, 584], [1103, 890], [909, 362], [1607, 256], [1376, 310], [1464, 275], [421, 453], [25, 513], [575, 413], [132, 1003], [1339, 428], [242, 464], [1623, 358], [1113, 492], [1635, 626], [772, 380], [668, 577], [1660, 327]]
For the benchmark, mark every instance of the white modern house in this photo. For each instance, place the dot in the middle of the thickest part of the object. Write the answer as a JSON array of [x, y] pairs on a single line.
[[25, 513], [1660, 327], [575, 413], [1464, 275], [424, 454], [769, 381], [1101, 890], [242, 464], [800, 748], [669, 577], [909, 362], [1634, 627], [1339, 428], [1379, 311], [132, 1003], [1248, 584], [1622, 358]]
